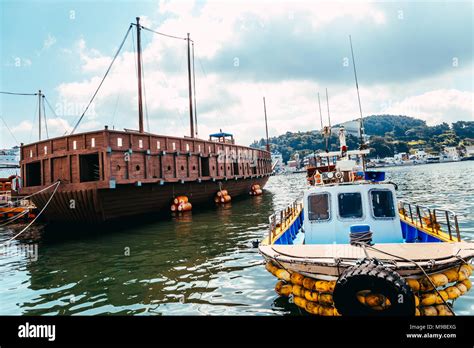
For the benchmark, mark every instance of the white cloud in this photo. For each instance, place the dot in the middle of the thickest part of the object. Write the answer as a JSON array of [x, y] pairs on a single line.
[[437, 106], [48, 42], [225, 101]]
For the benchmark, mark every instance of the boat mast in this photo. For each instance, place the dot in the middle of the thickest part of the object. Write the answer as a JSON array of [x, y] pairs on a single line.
[[320, 113], [39, 114], [191, 119], [361, 124], [327, 131], [266, 123], [139, 61]]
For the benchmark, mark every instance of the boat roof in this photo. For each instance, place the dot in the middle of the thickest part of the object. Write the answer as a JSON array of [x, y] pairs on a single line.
[[220, 134], [338, 153]]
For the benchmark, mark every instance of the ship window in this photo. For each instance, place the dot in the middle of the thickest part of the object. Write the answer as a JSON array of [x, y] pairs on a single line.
[[382, 204], [187, 147], [199, 148], [119, 141], [74, 145], [140, 143], [318, 207], [33, 174], [31, 153], [45, 150], [350, 205], [236, 168], [157, 144], [174, 146], [89, 167]]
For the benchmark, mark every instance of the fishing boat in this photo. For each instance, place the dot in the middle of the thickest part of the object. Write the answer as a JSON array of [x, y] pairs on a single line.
[[349, 247], [104, 175]]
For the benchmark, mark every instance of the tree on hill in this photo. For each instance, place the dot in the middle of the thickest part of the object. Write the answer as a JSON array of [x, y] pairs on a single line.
[[389, 134]]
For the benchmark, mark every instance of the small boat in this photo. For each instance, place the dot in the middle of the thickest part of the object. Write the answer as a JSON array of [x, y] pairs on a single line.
[[348, 247], [433, 159]]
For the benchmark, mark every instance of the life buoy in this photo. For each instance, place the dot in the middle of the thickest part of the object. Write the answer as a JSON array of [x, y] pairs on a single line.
[[318, 179], [378, 279]]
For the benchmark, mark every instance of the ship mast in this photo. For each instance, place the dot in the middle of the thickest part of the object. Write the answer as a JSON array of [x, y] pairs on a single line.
[[39, 114], [139, 65], [191, 119], [266, 123]]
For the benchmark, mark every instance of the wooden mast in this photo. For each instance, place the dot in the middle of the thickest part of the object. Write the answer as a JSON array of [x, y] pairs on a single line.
[[191, 119], [139, 61], [194, 97], [266, 123], [39, 114]]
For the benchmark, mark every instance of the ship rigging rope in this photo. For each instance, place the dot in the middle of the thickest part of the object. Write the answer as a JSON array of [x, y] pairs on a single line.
[[163, 34], [103, 79], [45, 119], [9, 130], [13, 218], [33, 194], [13, 93], [37, 216]]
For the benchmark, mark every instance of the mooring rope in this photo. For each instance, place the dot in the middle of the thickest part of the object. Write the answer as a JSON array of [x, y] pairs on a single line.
[[13, 218], [28, 197], [37, 216]]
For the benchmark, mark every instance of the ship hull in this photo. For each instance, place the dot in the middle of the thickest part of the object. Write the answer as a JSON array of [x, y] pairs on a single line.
[[92, 206]]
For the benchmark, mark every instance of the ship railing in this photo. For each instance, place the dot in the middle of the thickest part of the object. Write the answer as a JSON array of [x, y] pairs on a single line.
[[281, 220], [436, 220]]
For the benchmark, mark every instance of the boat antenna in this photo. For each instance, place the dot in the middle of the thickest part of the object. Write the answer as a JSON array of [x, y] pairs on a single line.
[[266, 124], [320, 113], [361, 124], [139, 65], [327, 130], [191, 118]]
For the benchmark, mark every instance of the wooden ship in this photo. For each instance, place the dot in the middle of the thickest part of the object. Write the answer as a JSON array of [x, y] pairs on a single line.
[[109, 174]]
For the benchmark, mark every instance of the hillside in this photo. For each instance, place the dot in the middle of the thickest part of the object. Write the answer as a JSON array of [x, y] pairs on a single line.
[[388, 134]]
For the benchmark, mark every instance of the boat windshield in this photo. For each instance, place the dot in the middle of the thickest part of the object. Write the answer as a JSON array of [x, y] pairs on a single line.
[[382, 204], [350, 205], [318, 207]]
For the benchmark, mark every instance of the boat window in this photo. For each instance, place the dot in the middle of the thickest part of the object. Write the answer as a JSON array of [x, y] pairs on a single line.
[[33, 174], [89, 167], [382, 203], [350, 205], [318, 207]]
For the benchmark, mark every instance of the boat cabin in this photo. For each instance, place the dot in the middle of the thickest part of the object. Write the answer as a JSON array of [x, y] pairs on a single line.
[[222, 137], [331, 210]]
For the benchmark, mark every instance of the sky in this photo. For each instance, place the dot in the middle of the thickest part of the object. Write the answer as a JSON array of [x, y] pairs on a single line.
[[413, 58]]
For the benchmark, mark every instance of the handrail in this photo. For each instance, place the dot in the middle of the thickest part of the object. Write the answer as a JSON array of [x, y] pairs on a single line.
[[281, 219], [431, 219]]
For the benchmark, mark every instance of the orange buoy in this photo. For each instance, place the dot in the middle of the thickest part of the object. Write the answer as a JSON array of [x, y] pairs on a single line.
[[222, 193], [226, 199], [258, 192], [185, 207], [174, 207], [255, 187], [222, 196], [181, 199]]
